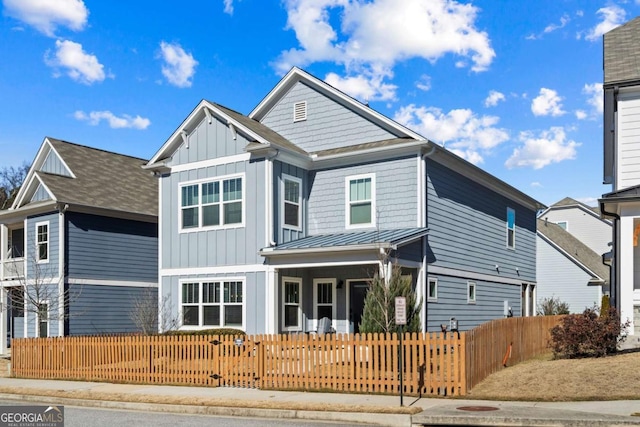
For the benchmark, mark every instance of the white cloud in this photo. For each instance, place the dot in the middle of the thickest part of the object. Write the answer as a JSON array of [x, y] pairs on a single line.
[[371, 37], [612, 17], [596, 96], [115, 122], [464, 132], [538, 151], [179, 66], [536, 184], [365, 88], [228, 7], [424, 83], [581, 114], [493, 98], [564, 20], [548, 103], [47, 15], [80, 66]]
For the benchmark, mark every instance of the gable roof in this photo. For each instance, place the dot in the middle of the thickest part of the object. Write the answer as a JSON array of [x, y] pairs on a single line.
[[98, 179], [572, 248], [621, 53], [568, 202]]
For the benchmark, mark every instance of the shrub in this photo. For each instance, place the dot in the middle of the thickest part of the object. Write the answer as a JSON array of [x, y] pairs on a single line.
[[216, 331], [605, 305], [552, 306], [588, 334]]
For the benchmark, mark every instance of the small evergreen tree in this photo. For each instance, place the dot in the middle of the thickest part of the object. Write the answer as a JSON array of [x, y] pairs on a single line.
[[378, 315]]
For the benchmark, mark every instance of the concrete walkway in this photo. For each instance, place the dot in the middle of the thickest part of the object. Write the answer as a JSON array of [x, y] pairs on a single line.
[[347, 408]]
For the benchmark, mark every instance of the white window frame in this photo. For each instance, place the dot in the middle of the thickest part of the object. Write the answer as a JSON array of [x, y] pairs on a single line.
[[566, 224], [285, 178], [334, 297], [433, 298], [299, 105], [507, 228], [298, 281], [347, 203], [472, 285], [38, 321], [221, 202], [222, 304], [48, 242]]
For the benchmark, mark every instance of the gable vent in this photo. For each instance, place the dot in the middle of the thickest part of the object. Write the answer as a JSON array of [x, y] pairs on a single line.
[[300, 111]]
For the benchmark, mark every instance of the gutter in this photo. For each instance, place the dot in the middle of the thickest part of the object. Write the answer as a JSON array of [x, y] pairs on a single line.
[[348, 248]]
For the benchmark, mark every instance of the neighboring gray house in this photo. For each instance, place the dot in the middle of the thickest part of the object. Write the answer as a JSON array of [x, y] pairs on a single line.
[[568, 269], [83, 228], [272, 221]]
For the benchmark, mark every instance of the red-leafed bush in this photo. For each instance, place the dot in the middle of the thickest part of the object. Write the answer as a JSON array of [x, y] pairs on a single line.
[[588, 334]]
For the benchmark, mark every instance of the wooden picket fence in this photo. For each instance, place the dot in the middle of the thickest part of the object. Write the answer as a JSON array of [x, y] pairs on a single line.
[[433, 364]]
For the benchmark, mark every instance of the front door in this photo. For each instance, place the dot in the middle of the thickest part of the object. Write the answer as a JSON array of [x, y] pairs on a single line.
[[357, 292]]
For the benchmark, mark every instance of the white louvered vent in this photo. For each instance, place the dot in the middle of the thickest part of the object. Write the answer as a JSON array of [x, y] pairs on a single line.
[[300, 111]]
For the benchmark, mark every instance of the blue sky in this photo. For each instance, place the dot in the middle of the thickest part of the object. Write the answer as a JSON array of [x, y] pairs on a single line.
[[513, 87]]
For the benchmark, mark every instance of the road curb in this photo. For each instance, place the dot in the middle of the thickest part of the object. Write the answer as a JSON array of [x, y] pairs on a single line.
[[403, 420]]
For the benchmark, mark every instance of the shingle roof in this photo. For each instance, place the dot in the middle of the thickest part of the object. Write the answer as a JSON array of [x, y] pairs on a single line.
[[103, 180], [356, 238], [368, 145], [574, 248], [621, 53]]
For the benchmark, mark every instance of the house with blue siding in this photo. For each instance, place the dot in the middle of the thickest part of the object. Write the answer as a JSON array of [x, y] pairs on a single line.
[[80, 241], [271, 221]]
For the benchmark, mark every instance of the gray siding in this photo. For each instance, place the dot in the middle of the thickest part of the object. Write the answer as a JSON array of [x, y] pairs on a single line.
[[97, 309], [254, 296], [40, 194], [49, 293], [214, 247], [284, 235], [452, 302], [559, 277], [328, 125], [111, 249], [590, 230], [50, 268], [52, 164], [467, 227], [396, 195]]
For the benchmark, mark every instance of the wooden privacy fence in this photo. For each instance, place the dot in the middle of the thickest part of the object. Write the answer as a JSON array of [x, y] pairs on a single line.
[[433, 363]]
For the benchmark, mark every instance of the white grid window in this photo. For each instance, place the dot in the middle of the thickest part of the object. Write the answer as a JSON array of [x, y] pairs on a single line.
[[42, 242], [360, 201], [213, 304], [212, 204], [292, 201], [291, 292]]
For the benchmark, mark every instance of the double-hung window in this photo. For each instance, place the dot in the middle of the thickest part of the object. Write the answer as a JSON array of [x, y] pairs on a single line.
[[212, 203], [291, 292], [42, 242], [213, 303], [511, 228], [324, 299], [292, 201], [360, 201], [432, 289]]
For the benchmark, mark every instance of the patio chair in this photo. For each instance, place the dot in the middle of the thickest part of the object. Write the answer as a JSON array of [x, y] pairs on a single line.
[[324, 326]]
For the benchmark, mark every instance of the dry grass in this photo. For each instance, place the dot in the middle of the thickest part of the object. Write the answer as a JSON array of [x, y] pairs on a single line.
[[543, 379]]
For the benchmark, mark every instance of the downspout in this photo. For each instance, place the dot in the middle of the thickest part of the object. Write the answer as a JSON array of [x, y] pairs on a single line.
[[270, 208], [62, 209], [425, 264]]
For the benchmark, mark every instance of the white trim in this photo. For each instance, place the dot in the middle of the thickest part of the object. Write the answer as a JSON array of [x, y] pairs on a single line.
[[444, 271], [221, 203], [347, 199], [227, 269], [474, 285], [268, 191], [509, 209], [298, 281], [422, 192], [61, 262], [271, 298], [60, 158], [334, 297], [326, 264], [37, 325], [161, 310], [37, 244], [429, 297], [286, 177], [218, 161], [123, 283], [221, 280]]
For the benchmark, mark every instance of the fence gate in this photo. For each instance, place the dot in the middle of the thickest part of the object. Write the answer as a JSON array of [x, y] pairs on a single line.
[[237, 362]]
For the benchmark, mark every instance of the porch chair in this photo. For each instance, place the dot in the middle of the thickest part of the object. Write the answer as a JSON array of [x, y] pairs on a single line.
[[324, 326]]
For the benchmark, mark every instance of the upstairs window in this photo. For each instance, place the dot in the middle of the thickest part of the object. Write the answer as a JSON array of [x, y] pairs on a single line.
[[511, 228], [214, 203], [432, 289], [360, 206], [42, 242], [292, 200]]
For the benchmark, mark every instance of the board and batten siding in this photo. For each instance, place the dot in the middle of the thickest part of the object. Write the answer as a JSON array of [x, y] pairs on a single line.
[[254, 296], [589, 229], [285, 234], [467, 228], [329, 124], [396, 196], [46, 269], [628, 142], [100, 309], [452, 302], [113, 249], [40, 194], [559, 277], [53, 164]]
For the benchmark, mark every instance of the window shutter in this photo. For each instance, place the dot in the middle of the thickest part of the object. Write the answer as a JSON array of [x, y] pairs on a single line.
[[300, 111]]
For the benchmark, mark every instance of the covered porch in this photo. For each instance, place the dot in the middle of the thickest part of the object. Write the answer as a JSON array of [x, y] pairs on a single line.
[[328, 276]]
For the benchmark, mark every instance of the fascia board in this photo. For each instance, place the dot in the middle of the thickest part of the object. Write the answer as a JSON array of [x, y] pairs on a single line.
[[267, 252], [37, 162], [20, 214], [372, 154]]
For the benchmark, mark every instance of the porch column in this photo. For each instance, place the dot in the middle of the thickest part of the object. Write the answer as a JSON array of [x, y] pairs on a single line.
[[4, 243], [271, 309], [625, 277], [3, 320]]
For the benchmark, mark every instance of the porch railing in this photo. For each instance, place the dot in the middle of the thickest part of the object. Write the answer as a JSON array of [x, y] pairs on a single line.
[[12, 268]]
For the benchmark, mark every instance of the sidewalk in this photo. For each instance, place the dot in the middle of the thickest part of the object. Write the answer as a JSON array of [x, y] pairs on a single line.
[[346, 408]]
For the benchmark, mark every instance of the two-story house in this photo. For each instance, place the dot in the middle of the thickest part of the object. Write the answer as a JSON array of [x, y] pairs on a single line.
[[272, 221], [621, 166], [81, 240]]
